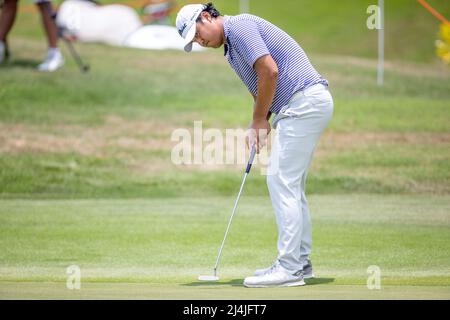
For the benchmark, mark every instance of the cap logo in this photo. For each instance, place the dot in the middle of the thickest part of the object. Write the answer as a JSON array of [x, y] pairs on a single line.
[[180, 31], [188, 20]]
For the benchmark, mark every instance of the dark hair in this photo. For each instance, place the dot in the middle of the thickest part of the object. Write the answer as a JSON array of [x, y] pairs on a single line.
[[211, 10]]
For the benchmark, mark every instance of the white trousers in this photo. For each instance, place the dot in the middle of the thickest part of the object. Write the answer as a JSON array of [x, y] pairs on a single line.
[[298, 128]]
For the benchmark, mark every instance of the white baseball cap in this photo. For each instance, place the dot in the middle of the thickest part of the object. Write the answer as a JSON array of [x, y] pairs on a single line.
[[186, 23]]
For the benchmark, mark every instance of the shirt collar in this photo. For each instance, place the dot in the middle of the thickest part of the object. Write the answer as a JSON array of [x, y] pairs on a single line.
[[226, 31]]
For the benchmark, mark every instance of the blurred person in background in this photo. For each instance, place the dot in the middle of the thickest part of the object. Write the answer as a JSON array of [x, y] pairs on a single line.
[[157, 12], [54, 59]]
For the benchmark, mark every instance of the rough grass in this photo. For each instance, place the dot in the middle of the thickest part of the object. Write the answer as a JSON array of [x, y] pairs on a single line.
[[340, 26], [107, 133]]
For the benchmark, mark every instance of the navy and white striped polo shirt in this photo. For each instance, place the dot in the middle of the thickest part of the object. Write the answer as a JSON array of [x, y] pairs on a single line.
[[249, 38]]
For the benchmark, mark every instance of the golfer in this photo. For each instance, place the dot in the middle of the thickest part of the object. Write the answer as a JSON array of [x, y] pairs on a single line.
[[284, 84]]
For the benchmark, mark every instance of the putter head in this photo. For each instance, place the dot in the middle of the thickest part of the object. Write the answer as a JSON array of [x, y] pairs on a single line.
[[208, 278]]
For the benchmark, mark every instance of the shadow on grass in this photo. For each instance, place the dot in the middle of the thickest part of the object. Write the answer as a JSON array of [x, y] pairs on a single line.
[[21, 63], [239, 282], [315, 281], [233, 283]]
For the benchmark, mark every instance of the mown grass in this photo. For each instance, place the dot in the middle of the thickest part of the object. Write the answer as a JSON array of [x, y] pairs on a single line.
[[165, 245], [151, 234]]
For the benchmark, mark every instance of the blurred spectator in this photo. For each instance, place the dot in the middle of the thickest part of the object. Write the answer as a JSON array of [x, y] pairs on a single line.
[[158, 11], [87, 21], [54, 58], [120, 25]]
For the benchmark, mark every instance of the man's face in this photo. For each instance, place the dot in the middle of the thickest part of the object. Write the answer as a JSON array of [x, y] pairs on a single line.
[[209, 32]]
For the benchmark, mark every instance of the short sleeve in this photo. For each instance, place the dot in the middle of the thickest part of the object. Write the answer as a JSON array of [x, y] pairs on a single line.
[[248, 41]]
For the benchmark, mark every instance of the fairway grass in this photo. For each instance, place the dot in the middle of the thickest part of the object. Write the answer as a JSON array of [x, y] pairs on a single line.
[[155, 249]]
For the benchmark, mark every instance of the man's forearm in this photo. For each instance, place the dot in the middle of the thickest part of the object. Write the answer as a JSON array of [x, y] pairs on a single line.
[[267, 84], [269, 114]]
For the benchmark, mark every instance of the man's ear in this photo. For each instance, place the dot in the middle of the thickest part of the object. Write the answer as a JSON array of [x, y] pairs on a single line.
[[206, 15]]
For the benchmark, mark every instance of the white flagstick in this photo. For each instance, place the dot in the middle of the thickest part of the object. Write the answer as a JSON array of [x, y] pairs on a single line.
[[380, 75], [244, 6]]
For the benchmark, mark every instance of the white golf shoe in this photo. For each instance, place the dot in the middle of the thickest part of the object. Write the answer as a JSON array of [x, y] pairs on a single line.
[[54, 61], [276, 277], [307, 270], [261, 272]]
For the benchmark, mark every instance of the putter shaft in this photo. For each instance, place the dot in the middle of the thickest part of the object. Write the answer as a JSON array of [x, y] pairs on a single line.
[[247, 170], [83, 67]]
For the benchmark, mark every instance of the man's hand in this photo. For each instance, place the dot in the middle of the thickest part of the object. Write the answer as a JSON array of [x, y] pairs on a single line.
[[257, 134]]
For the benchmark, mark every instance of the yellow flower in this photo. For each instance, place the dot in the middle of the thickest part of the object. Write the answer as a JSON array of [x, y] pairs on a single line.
[[443, 45], [443, 51], [445, 33]]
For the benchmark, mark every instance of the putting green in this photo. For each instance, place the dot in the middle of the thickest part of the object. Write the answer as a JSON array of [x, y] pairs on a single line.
[[156, 249], [229, 290]]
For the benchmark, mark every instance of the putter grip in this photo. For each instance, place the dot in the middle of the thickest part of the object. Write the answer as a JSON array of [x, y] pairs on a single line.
[[250, 160]]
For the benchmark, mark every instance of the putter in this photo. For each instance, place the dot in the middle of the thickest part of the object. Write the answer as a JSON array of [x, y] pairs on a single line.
[[82, 66], [63, 34], [247, 170]]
